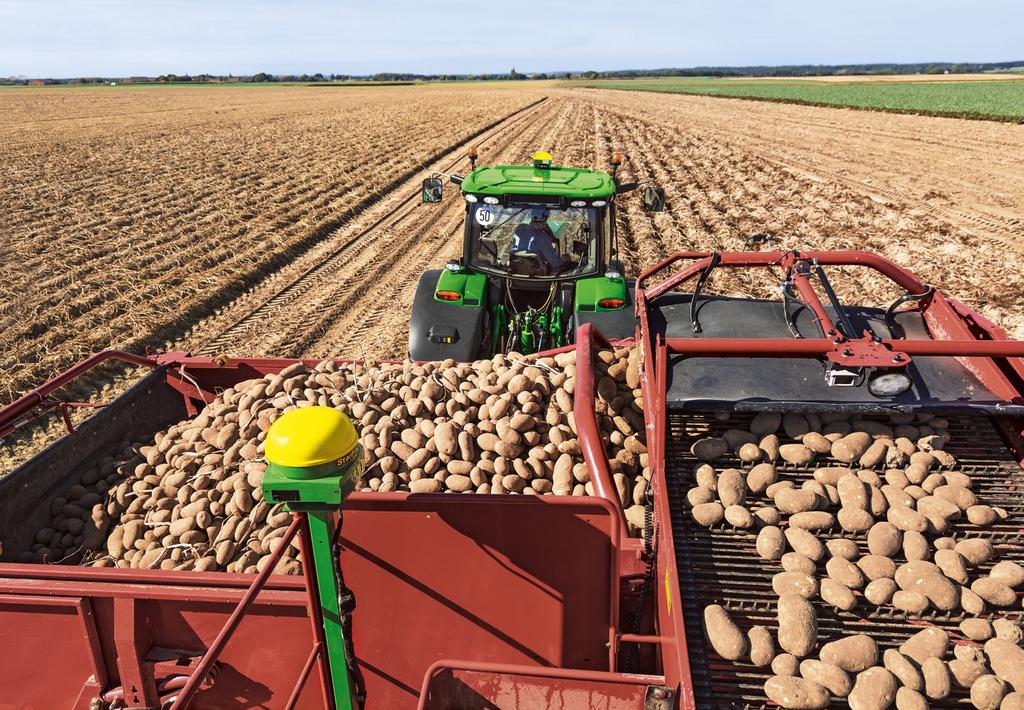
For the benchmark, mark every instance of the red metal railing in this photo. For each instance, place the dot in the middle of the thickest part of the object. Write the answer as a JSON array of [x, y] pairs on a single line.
[[23, 410], [205, 666], [585, 413]]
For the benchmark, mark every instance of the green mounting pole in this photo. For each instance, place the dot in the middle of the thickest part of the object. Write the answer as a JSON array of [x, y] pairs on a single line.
[[313, 461]]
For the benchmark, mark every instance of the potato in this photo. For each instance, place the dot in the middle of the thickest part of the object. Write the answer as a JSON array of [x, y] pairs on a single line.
[[907, 519], [977, 629], [785, 664], [884, 539], [976, 551], [1008, 572], [855, 519], [816, 442], [930, 642], [812, 520], [851, 447], [874, 689], [765, 423], [805, 543], [767, 515], [993, 591], [838, 595], [706, 514], [987, 692], [797, 693], [1007, 661], [771, 543], [797, 624], [704, 475], [971, 602], [845, 572], [880, 591], [795, 562], [952, 565], [967, 670], [736, 438], [937, 682], [762, 646], [907, 699], [831, 475], [709, 449], [739, 517], [926, 578], [748, 453], [796, 454], [851, 653], [834, 679], [915, 546], [910, 602], [792, 500], [760, 477], [723, 634], [1007, 629], [853, 492], [795, 583], [841, 547], [732, 489], [562, 480], [876, 567], [1012, 701], [906, 670]]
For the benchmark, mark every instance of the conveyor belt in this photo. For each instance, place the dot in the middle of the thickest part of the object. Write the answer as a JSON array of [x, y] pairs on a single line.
[[720, 565]]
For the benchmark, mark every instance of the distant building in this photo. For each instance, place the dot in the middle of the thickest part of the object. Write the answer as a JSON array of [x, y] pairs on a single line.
[[36, 82], [233, 79]]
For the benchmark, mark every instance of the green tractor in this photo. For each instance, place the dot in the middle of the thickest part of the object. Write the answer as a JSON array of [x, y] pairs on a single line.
[[539, 260]]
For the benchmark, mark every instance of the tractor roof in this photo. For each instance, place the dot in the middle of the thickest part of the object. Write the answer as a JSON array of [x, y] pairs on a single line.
[[499, 180]]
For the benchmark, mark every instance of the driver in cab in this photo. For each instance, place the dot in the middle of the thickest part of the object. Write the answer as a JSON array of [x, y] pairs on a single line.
[[537, 238]]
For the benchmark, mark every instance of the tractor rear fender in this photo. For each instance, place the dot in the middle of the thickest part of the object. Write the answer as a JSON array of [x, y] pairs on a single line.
[[448, 316], [593, 304]]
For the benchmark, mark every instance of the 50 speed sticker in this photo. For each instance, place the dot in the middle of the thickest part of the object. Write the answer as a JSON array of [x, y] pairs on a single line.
[[484, 217]]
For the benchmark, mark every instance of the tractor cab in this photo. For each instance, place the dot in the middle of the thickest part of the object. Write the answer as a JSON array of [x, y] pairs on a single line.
[[539, 260]]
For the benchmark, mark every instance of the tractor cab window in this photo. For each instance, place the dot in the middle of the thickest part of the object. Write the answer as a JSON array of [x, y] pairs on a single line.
[[532, 241]]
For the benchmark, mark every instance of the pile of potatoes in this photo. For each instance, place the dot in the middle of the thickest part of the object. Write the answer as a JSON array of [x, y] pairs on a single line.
[[895, 488], [191, 498]]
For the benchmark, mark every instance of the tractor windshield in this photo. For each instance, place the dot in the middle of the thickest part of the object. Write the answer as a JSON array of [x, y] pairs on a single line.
[[532, 241]]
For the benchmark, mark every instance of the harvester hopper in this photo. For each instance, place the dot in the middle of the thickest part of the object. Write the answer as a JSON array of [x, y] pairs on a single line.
[[515, 601]]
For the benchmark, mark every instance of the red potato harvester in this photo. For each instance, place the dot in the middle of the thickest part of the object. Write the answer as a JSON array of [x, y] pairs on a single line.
[[510, 601]]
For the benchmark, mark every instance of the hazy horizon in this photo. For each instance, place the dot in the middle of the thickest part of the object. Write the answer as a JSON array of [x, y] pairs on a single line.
[[119, 38]]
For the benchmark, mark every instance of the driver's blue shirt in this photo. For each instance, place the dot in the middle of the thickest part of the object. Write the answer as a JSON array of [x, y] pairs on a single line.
[[537, 239]]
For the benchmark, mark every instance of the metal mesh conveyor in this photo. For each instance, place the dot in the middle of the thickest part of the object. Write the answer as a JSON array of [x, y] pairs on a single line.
[[720, 565]]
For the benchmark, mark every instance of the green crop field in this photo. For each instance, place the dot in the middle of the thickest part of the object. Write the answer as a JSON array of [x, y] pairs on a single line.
[[996, 99]]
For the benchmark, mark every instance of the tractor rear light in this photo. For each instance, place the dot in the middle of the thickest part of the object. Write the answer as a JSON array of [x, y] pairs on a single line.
[[612, 275], [599, 203], [470, 198], [491, 200], [449, 295], [577, 203], [611, 303]]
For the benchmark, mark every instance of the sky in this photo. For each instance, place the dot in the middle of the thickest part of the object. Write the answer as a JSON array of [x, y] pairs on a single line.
[[67, 38]]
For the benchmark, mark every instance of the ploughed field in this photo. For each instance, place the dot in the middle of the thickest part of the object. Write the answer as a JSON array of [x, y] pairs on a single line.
[[167, 216]]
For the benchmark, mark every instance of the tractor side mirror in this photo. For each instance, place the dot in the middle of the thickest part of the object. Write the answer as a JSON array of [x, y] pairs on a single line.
[[654, 199], [433, 188]]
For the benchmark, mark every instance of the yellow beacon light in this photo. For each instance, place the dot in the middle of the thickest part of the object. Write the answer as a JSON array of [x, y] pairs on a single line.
[[542, 160]]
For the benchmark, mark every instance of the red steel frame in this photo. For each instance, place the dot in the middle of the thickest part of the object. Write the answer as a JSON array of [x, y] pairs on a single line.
[[957, 332], [178, 366]]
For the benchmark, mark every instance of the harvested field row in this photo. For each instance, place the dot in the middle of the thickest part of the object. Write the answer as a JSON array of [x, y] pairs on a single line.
[[195, 204]]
